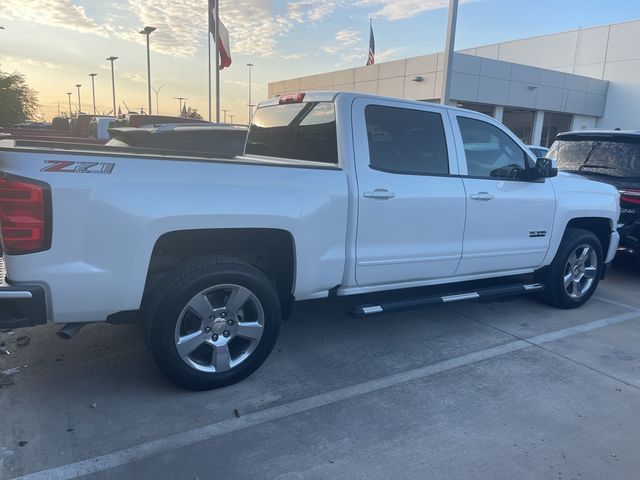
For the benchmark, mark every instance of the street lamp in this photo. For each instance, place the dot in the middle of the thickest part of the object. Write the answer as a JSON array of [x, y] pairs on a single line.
[[93, 90], [157, 91], [250, 106], [231, 117], [113, 84], [69, 93], [180, 99], [79, 103], [148, 31], [225, 114]]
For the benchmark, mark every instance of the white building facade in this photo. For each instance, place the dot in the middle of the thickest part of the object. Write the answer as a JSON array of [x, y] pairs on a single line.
[[538, 87]]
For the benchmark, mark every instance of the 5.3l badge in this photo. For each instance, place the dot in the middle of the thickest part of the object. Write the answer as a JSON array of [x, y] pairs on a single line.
[[65, 166]]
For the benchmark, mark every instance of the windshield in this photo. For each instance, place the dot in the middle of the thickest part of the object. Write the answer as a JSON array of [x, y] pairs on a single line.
[[606, 157]]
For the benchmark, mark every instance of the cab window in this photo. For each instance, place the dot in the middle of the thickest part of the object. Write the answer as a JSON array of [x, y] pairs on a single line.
[[406, 141], [491, 153]]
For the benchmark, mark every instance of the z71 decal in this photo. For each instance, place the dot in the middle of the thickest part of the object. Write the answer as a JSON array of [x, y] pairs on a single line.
[[78, 167]]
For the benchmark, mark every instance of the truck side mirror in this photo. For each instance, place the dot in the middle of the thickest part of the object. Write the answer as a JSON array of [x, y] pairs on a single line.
[[545, 168]]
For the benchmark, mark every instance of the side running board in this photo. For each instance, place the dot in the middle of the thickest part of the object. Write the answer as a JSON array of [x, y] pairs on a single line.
[[417, 302]]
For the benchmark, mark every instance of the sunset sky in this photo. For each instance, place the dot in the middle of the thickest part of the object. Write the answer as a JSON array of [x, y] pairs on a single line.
[[57, 43]]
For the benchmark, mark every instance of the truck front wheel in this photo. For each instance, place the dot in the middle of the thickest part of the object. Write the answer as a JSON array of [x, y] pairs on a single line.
[[575, 271], [212, 322]]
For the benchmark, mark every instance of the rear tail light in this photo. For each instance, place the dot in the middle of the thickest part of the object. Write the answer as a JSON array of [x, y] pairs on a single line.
[[25, 215], [630, 196]]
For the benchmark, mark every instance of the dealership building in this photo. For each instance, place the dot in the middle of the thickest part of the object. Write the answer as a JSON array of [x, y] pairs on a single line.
[[538, 87]]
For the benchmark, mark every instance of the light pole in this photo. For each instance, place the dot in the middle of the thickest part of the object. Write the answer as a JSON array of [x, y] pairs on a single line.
[[448, 52], [250, 106], [79, 103], [231, 116], [180, 99], [93, 90], [157, 92], [225, 114], [148, 31], [113, 84], [69, 94]]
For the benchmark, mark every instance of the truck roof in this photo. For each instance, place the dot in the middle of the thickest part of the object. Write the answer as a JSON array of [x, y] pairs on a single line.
[[600, 133], [330, 96]]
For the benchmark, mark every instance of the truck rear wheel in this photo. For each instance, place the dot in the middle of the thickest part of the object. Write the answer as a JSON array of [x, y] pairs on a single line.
[[573, 276], [212, 322]]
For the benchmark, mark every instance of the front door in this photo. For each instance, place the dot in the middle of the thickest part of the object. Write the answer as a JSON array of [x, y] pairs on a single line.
[[411, 209], [509, 218]]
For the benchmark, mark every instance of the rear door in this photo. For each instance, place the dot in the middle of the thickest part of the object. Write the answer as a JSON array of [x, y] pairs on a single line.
[[509, 218], [411, 207]]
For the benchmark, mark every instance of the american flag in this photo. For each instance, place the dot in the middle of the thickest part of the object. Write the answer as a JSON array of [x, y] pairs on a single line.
[[372, 46]]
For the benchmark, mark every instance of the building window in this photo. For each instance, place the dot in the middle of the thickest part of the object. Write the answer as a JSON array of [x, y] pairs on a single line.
[[520, 122], [477, 107], [554, 123]]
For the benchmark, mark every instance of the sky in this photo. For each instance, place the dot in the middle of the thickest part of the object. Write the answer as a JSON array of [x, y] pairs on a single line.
[[58, 43]]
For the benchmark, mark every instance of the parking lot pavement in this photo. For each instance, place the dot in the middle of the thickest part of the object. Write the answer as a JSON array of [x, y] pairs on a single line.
[[507, 389]]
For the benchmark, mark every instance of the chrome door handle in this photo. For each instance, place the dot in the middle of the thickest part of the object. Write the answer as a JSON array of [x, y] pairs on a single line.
[[481, 196], [379, 194]]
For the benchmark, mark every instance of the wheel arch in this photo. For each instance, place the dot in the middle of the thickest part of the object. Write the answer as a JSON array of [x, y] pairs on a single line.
[[272, 251], [601, 227]]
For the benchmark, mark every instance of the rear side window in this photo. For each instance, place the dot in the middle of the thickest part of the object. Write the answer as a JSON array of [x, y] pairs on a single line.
[[301, 131], [406, 141]]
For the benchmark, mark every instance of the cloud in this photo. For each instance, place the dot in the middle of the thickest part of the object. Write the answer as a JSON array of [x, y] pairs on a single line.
[[134, 77], [254, 27], [344, 41], [239, 83], [31, 63], [312, 10], [400, 9], [57, 13]]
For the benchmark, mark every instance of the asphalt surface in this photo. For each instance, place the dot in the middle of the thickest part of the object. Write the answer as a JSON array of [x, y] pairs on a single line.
[[500, 390]]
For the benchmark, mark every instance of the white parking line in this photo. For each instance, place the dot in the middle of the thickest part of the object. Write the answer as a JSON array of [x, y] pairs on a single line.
[[613, 302], [207, 432]]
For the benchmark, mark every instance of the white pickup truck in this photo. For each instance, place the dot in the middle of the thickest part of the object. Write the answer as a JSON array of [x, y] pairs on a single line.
[[336, 194]]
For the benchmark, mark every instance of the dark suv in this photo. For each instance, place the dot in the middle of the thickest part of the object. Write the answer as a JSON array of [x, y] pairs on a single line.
[[610, 156]]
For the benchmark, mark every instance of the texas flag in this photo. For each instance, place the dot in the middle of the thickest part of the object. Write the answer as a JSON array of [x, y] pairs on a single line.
[[222, 38]]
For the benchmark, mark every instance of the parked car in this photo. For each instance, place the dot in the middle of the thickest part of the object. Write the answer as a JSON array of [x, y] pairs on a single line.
[[336, 194], [613, 157], [196, 138], [538, 151]]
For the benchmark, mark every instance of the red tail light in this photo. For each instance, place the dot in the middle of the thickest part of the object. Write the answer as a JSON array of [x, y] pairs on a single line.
[[630, 196], [25, 215]]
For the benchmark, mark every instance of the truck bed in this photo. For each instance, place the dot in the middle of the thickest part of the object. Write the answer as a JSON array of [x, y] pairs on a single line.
[[86, 150]]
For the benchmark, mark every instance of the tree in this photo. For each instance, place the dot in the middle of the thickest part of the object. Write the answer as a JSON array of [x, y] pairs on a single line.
[[18, 102], [193, 113]]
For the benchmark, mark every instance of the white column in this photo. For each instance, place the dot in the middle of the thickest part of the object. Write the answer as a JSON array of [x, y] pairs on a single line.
[[536, 134], [498, 112]]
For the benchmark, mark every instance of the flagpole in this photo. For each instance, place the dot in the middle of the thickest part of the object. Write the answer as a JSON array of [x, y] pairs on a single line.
[[209, 52], [217, 61]]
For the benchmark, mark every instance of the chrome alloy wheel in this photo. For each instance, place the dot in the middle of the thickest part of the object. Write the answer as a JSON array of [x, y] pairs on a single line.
[[219, 328], [580, 271]]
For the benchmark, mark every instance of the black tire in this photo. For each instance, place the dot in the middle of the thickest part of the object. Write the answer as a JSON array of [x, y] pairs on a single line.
[[555, 292], [169, 299]]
